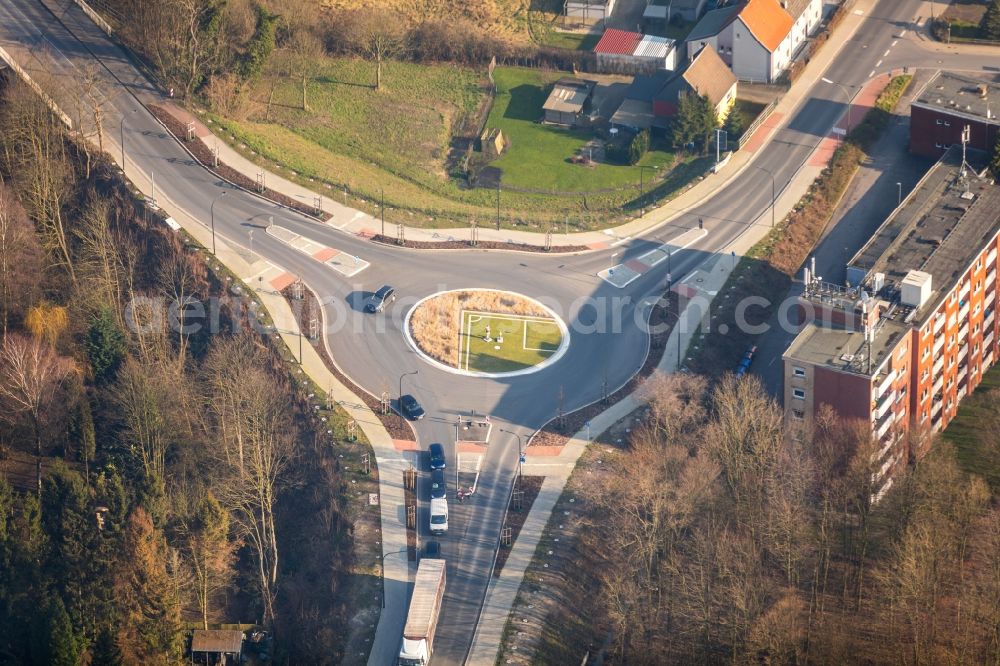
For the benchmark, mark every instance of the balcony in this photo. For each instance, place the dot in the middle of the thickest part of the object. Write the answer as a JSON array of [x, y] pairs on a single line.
[[884, 428], [964, 291], [991, 295], [884, 383], [988, 340], [939, 322], [991, 279], [991, 257], [962, 374], [938, 365], [988, 359], [883, 404], [938, 346], [963, 332], [988, 320], [938, 403], [963, 352], [963, 312], [961, 393]]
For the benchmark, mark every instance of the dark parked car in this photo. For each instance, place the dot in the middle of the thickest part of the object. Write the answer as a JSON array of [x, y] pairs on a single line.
[[376, 303], [433, 550], [437, 456], [411, 408], [744, 366], [438, 486]]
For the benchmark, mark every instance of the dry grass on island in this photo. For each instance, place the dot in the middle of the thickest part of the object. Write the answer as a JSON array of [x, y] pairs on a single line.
[[435, 323]]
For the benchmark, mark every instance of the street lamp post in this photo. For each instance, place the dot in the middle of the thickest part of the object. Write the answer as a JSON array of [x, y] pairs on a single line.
[[382, 210], [899, 194], [847, 96], [212, 211], [771, 174], [401, 385], [520, 453], [669, 272], [121, 131], [642, 189], [382, 572], [498, 204]]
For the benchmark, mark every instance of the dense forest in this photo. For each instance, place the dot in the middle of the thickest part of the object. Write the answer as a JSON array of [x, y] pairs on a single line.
[[153, 477], [721, 537]]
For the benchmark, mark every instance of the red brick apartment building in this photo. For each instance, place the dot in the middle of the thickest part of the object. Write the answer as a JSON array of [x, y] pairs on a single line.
[[948, 103], [914, 329]]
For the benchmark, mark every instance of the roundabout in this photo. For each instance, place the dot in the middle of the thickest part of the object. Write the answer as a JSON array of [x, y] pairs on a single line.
[[485, 333]]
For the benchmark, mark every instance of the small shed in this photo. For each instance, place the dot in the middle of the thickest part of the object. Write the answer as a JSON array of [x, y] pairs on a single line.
[[217, 646], [567, 101], [492, 142]]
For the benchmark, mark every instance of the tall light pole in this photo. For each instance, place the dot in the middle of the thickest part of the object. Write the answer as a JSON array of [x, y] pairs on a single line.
[[642, 189], [212, 211], [771, 174], [382, 210], [899, 194], [847, 96], [498, 204], [520, 453], [121, 131], [407, 551], [401, 384]]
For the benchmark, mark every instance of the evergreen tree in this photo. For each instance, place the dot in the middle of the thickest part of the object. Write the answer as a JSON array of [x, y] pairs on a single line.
[[991, 21], [52, 639], [695, 121], [105, 651], [995, 163], [735, 124], [105, 345]]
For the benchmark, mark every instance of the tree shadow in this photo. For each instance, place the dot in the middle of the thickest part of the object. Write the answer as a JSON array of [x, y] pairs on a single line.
[[525, 103]]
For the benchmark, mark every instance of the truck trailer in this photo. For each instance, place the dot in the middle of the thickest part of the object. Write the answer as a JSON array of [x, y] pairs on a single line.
[[422, 618]]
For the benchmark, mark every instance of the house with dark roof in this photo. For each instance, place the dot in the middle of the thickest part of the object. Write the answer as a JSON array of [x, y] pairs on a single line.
[[757, 38], [668, 10], [652, 100]]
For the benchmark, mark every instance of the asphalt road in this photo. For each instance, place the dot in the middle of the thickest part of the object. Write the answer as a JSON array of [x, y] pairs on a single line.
[[372, 350]]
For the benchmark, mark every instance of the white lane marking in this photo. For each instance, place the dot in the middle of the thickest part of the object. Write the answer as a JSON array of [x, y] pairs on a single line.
[[878, 64], [893, 44], [859, 12], [871, 74], [886, 52]]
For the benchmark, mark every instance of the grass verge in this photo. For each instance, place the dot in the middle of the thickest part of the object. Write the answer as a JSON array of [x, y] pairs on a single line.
[[974, 430]]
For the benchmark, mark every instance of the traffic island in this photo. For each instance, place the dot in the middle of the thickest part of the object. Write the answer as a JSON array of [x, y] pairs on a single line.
[[485, 332]]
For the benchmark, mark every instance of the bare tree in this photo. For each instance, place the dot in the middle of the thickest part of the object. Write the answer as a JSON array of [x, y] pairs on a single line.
[[32, 373], [20, 259], [377, 34], [256, 445]]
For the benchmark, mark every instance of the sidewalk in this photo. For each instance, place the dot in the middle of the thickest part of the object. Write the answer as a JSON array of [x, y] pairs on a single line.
[[391, 462], [360, 223], [706, 282]]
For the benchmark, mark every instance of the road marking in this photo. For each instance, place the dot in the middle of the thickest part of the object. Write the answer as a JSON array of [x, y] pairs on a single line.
[[871, 74], [344, 263], [878, 64], [886, 52], [893, 43], [623, 274]]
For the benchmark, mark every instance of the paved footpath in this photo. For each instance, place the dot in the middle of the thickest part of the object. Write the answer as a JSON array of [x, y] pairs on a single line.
[[360, 223]]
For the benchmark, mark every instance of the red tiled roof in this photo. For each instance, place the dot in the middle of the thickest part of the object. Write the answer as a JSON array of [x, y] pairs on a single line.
[[768, 21], [621, 42]]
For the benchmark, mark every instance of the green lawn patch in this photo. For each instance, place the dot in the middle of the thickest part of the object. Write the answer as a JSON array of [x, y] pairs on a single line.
[[539, 155], [490, 342]]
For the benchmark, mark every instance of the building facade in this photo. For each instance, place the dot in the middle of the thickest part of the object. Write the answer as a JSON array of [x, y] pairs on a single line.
[[946, 105], [914, 329]]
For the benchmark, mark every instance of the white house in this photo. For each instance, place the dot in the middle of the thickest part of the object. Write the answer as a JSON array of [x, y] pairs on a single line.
[[757, 38]]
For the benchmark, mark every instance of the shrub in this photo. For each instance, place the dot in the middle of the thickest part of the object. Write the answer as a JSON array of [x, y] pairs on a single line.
[[638, 147]]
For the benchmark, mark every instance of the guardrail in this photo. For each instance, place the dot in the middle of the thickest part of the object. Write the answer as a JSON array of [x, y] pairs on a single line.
[[764, 115], [94, 16], [9, 59]]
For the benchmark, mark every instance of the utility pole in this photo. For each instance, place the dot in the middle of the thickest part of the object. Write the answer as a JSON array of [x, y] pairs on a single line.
[[498, 205], [212, 212], [382, 211]]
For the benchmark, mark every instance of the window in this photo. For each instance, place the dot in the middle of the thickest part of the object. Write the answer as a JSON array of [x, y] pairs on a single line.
[[798, 414], [937, 144], [799, 372], [799, 394]]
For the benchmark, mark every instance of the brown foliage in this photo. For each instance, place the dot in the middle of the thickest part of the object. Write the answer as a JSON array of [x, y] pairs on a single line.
[[20, 260]]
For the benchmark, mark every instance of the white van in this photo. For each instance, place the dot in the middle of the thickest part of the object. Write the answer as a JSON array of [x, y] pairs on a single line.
[[439, 516]]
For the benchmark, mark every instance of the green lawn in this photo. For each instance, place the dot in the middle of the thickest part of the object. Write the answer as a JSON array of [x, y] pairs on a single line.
[[514, 342], [539, 155], [972, 430]]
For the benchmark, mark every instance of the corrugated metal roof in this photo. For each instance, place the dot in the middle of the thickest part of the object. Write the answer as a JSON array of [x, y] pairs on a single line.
[[424, 599], [620, 42], [653, 47], [568, 95]]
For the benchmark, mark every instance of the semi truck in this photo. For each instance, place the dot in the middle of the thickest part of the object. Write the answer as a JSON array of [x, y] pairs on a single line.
[[422, 618]]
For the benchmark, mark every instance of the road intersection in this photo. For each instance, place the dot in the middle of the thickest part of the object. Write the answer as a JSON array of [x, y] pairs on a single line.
[[605, 316]]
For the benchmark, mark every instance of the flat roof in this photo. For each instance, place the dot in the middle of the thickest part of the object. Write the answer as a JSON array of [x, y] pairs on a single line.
[[962, 95], [940, 228], [845, 350]]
